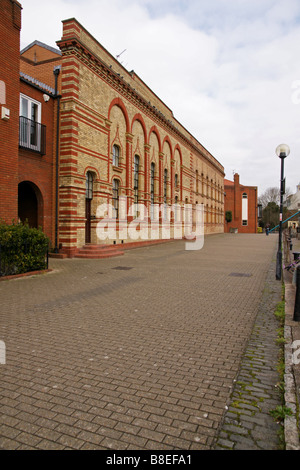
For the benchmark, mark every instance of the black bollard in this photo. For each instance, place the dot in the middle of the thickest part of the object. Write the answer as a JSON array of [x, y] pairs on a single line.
[[297, 299]]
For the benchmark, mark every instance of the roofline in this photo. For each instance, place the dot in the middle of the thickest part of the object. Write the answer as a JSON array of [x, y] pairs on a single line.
[[37, 84], [41, 44]]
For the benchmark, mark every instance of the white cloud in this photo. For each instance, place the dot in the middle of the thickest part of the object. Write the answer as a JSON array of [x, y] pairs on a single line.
[[225, 68]]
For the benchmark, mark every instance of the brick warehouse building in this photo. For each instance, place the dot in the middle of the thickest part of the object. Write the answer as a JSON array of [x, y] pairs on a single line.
[[241, 201], [117, 138], [120, 139]]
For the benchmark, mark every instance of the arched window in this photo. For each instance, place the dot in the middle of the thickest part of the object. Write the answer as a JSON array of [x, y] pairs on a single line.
[[245, 209], [116, 155]]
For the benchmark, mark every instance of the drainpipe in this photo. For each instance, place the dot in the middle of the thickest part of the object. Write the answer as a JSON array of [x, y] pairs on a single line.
[[56, 72]]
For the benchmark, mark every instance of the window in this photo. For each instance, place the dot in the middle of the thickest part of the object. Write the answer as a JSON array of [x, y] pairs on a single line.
[[115, 198], [165, 193], [165, 185], [197, 182], [244, 209], [136, 178], [176, 210], [30, 123], [152, 173], [89, 185], [2, 92], [176, 181], [116, 155]]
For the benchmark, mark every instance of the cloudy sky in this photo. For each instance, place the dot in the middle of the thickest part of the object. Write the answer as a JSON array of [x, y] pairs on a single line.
[[228, 69]]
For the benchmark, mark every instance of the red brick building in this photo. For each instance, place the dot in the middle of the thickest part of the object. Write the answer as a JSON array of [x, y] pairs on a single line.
[[241, 201], [10, 26], [27, 126], [36, 162]]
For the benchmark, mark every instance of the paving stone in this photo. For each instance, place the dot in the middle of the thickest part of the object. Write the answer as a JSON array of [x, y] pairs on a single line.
[[146, 357]]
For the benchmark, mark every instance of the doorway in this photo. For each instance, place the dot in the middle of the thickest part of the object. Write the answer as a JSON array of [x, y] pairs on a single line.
[[30, 204]]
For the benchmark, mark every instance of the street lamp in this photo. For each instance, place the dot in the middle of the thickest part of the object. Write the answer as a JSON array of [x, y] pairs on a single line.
[[282, 151]]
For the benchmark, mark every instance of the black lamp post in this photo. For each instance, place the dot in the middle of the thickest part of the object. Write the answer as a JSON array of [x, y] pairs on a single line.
[[282, 152]]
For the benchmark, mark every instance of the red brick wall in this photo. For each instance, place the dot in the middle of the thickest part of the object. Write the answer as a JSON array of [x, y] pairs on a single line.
[[42, 72], [40, 169], [10, 25], [233, 202]]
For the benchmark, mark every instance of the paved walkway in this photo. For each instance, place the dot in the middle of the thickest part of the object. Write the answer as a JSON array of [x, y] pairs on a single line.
[[144, 351]]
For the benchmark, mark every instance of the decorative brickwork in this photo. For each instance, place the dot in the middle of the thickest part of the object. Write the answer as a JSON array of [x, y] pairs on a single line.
[[103, 105]]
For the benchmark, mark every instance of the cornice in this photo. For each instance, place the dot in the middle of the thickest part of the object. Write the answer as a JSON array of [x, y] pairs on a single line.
[[73, 45]]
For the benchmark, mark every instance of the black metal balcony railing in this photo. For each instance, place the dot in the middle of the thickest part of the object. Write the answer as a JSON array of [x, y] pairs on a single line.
[[32, 135]]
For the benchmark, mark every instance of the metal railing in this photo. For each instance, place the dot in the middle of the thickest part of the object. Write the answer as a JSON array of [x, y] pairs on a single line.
[[32, 135]]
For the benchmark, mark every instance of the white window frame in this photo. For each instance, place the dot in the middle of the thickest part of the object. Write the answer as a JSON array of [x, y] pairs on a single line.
[[25, 137]]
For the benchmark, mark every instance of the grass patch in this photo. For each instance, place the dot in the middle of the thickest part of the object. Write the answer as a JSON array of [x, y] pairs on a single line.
[[281, 411]]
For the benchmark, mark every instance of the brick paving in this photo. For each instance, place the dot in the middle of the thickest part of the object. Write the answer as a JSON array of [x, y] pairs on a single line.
[[248, 424], [136, 352]]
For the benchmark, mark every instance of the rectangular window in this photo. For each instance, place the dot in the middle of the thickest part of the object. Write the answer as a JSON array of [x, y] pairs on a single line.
[[115, 198], [32, 133], [245, 209], [152, 173], [165, 193], [136, 181]]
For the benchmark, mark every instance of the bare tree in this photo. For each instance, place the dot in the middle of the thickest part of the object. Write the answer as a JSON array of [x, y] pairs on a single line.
[[272, 195]]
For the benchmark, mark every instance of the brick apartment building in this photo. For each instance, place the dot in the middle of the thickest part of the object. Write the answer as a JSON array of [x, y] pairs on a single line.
[[241, 201], [116, 138]]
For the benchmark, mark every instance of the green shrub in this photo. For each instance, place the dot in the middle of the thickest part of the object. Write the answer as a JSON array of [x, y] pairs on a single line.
[[22, 249], [228, 216]]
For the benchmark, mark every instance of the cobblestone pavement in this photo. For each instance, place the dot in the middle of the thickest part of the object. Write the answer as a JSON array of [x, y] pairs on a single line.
[[141, 351]]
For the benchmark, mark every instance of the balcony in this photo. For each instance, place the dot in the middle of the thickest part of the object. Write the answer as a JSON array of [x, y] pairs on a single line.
[[32, 135]]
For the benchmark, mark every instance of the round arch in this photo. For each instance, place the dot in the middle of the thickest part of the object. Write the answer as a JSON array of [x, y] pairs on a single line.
[[118, 102], [155, 131], [30, 204], [168, 141], [138, 117]]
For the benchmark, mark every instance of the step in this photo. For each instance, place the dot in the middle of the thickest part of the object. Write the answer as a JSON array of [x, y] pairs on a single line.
[[93, 251], [99, 255], [93, 248]]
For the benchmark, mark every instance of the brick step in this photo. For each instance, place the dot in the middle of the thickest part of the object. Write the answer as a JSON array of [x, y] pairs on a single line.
[[94, 248], [99, 255], [98, 251]]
